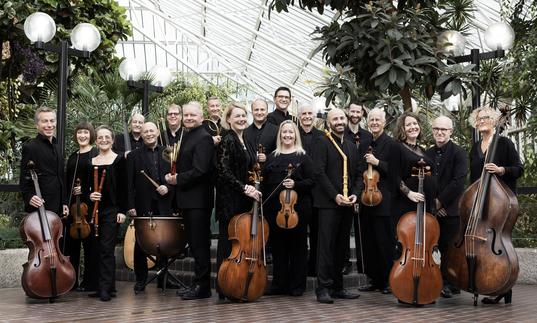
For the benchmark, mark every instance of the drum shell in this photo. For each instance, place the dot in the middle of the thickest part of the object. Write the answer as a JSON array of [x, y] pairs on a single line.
[[161, 236]]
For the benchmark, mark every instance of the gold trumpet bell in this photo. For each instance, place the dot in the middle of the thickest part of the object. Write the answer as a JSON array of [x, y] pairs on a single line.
[[166, 154]]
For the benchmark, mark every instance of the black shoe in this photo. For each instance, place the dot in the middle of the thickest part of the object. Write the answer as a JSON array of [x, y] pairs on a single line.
[[324, 297], [139, 287], [508, 297], [182, 291], [368, 288], [104, 296], [344, 294], [296, 293], [196, 292], [386, 290], [96, 294], [446, 292], [347, 268]]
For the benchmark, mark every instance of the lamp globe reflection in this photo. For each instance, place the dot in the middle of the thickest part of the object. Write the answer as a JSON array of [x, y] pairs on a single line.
[[161, 76], [39, 27], [129, 70], [451, 43], [85, 37], [499, 35]]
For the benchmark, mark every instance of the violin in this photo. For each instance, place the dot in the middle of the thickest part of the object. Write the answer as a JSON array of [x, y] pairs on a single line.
[[371, 196], [415, 278], [243, 275], [80, 229], [47, 273], [481, 258], [287, 217], [98, 187]]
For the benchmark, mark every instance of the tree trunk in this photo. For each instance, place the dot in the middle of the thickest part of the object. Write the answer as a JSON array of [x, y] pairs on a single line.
[[405, 95]]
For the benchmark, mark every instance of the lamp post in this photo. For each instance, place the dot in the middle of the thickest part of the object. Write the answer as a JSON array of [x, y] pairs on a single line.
[[40, 28], [498, 37], [160, 78]]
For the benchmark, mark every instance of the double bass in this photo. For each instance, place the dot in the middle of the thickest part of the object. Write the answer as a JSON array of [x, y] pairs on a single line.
[[243, 275], [481, 257], [415, 277], [47, 273]]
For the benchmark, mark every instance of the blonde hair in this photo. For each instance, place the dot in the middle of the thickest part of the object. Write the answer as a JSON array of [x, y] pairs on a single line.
[[494, 114], [227, 114], [298, 141]]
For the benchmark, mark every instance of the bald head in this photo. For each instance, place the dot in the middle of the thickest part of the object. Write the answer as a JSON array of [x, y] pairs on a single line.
[[337, 121], [150, 134], [442, 130]]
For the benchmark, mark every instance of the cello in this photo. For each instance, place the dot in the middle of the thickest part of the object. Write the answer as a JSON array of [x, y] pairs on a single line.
[[80, 228], [243, 275], [415, 277], [287, 218], [371, 195], [481, 257], [47, 273]]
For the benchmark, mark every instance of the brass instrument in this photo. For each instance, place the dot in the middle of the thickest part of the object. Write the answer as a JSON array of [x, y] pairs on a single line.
[[171, 153], [345, 175]]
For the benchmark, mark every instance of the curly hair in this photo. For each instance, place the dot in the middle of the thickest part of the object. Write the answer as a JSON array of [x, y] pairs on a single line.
[[493, 113], [399, 133]]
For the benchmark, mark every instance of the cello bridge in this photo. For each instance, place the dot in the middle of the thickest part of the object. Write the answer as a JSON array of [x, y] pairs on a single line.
[[473, 237], [250, 259]]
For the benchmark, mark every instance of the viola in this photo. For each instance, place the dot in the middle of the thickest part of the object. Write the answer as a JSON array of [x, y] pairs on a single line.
[[481, 258], [243, 275], [47, 273], [98, 187], [415, 277], [287, 218], [371, 195], [80, 228]]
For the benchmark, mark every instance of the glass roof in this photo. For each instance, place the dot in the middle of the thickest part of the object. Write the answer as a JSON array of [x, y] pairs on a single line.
[[235, 41]]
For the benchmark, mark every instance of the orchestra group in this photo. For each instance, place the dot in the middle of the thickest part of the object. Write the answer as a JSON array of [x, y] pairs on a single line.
[[311, 186]]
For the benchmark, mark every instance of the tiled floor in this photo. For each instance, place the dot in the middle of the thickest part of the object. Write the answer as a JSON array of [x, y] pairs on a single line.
[[153, 306]]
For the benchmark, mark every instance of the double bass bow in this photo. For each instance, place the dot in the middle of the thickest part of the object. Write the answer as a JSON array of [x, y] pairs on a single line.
[[47, 273], [415, 277], [243, 275], [481, 257]]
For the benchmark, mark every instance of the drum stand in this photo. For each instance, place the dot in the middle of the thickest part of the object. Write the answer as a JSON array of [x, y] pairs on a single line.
[[163, 271]]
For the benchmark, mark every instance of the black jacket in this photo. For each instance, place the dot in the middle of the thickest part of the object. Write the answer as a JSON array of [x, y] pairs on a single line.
[[141, 192], [277, 116], [265, 136], [50, 172], [450, 175], [364, 136], [195, 170], [506, 156], [329, 171], [84, 161], [171, 138], [119, 143], [309, 138]]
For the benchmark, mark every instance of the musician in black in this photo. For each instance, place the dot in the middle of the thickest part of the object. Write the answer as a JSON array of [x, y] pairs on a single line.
[[144, 199], [308, 135], [335, 209], [43, 151], [173, 131], [213, 125], [507, 165], [135, 136], [282, 100], [289, 246], [112, 207], [234, 192], [194, 193], [450, 168], [78, 168], [261, 131], [376, 222]]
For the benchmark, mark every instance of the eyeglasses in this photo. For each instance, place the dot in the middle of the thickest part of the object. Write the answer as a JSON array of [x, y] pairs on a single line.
[[173, 113], [483, 118], [441, 129], [285, 97]]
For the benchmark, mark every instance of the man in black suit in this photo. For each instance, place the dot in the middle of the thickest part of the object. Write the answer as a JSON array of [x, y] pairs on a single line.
[[213, 125], [172, 133], [44, 153], [144, 198], [449, 169], [261, 131], [135, 136], [334, 204], [282, 100], [194, 194]]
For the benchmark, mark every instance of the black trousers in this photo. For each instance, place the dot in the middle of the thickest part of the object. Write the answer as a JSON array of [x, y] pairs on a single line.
[[378, 241], [313, 225], [198, 229], [72, 249], [449, 226], [224, 245], [334, 235], [106, 242]]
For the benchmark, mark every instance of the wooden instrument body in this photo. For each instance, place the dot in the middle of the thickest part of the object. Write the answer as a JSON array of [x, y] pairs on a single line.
[[80, 228], [495, 259], [287, 218], [371, 195], [402, 275], [244, 260]]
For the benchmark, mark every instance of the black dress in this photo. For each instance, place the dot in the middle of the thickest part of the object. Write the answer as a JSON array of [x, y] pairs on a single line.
[[113, 201], [289, 246], [80, 164]]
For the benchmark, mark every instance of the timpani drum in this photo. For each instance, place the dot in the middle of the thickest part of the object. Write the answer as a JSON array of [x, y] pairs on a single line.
[[163, 236]]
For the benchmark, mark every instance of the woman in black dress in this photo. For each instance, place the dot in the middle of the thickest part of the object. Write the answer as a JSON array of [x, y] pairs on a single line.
[[235, 157], [507, 166], [112, 207], [289, 246], [78, 168]]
